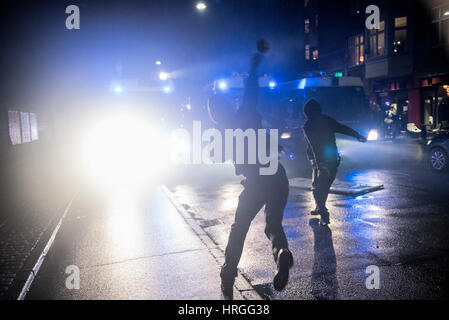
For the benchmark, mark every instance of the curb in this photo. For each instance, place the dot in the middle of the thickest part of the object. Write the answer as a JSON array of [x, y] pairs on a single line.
[[243, 286]]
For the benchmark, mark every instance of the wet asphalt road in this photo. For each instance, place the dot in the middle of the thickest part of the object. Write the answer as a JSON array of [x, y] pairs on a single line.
[[402, 230], [122, 249]]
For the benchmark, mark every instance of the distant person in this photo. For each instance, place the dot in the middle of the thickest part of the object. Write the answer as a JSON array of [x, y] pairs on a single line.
[[270, 191], [319, 131]]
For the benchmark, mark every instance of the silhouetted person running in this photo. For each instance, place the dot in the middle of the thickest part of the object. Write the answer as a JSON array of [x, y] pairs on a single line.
[[270, 191], [319, 131]]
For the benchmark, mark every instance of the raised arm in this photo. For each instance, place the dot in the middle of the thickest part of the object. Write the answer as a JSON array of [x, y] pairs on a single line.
[[250, 96]]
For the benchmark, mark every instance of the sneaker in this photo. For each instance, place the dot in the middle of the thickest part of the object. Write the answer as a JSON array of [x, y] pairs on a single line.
[[324, 221], [284, 263], [315, 212]]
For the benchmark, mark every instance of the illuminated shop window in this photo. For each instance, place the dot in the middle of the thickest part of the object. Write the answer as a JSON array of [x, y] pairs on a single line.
[[400, 34]]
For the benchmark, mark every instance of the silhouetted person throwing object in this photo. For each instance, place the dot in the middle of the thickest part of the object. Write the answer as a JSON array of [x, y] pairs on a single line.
[[270, 191], [319, 131]]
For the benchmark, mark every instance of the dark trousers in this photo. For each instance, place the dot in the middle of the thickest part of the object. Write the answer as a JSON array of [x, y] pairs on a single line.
[[268, 191], [322, 178]]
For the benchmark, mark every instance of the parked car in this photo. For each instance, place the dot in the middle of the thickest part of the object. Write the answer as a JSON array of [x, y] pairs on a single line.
[[439, 151]]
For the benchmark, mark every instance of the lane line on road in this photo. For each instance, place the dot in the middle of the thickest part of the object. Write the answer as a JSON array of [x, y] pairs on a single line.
[[242, 284], [42, 256]]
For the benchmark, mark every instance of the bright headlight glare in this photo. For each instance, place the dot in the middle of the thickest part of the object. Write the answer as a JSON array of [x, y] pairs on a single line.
[[163, 75], [123, 150], [373, 135], [179, 149]]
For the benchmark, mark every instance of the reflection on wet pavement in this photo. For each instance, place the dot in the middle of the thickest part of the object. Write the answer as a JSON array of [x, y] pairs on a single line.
[[406, 223]]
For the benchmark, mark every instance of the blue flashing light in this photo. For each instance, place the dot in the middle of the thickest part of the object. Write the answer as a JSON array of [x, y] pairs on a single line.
[[222, 85], [272, 84], [302, 84]]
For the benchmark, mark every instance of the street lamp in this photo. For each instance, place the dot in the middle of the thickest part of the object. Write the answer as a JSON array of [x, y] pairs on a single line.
[[201, 6], [158, 62]]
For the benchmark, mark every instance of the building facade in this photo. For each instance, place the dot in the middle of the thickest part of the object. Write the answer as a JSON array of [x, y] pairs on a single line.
[[403, 64]]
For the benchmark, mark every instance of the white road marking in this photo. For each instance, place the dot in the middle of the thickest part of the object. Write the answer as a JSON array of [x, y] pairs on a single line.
[[42, 256]]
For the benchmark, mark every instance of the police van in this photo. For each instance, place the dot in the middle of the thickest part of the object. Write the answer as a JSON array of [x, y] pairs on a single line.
[[281, 107]]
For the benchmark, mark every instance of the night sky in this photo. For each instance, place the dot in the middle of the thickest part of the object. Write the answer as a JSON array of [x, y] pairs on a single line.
[[40, 54]]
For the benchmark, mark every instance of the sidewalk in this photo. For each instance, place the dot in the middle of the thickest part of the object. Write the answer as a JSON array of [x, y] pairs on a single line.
[[21, 234], [33, 189], [153, 253]]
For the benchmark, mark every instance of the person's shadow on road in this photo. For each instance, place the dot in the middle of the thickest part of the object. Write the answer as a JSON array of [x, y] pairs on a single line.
[[324, 279]]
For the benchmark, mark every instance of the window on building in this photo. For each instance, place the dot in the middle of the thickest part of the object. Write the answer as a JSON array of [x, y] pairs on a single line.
[[315, 54], [307, 51], [441, 25], [14, 127], [33, 127], [400, 34], [377, 40], [26, 128], [23, 127], [316, 21], [306, 25], [357, 50], [444, 32]]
